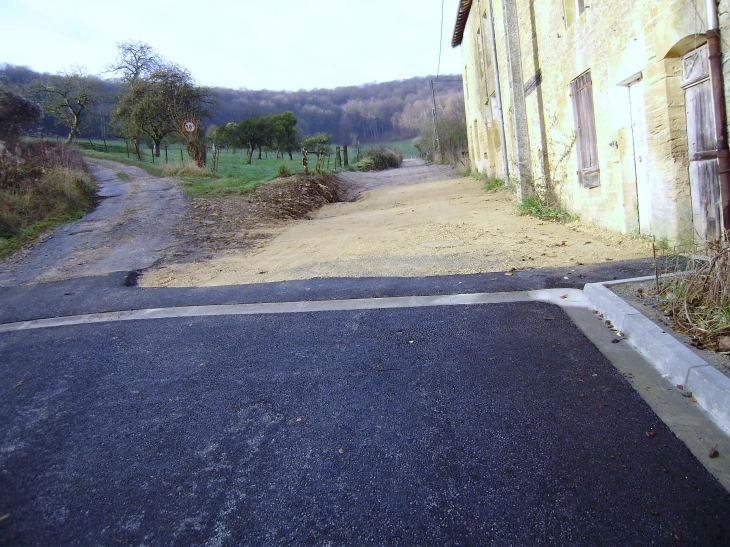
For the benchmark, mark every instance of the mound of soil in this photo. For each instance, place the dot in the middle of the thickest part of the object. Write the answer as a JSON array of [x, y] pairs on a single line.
[[236, 222]]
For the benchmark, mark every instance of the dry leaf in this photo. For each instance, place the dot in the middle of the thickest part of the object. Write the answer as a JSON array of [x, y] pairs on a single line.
[[549, 318]]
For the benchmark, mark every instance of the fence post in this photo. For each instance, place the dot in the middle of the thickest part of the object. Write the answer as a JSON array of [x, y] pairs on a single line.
[[165, 154], [305, 161], [338, 158], [344, 154]]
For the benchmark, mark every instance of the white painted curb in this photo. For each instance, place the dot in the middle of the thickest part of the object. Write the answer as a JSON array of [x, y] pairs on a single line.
[[669, 356]]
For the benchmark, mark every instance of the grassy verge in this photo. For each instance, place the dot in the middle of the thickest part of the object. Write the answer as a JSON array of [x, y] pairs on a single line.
[[8, 245], [491, 184], [535, 206], [42, 185]]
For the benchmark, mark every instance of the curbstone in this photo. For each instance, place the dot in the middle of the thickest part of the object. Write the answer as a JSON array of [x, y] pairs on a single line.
[[665, 353], [661, 349], [711, 389]]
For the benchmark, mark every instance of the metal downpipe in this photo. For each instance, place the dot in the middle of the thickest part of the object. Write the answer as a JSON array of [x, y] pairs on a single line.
[[718, 102]]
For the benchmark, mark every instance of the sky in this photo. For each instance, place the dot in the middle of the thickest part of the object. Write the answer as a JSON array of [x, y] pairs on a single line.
[[268, 44]]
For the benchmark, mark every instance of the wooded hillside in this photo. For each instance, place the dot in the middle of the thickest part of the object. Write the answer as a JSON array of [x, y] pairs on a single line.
[[374, 112]]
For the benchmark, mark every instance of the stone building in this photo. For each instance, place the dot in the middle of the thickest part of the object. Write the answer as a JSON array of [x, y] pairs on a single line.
[[608, 105]]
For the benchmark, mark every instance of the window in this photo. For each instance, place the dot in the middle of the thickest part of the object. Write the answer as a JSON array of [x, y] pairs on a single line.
[[581, 93], [572, 9]]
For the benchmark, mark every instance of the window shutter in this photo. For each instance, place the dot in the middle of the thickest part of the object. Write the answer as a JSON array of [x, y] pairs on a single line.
[[581, 91]]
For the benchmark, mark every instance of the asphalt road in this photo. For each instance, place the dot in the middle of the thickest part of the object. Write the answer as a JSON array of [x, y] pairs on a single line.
[[488, 424]]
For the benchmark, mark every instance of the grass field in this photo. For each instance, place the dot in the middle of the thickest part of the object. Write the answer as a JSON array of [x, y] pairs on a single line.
[[233, 174]]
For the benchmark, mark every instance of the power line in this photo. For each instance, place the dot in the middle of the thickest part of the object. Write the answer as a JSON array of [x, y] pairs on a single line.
[[441, 40]]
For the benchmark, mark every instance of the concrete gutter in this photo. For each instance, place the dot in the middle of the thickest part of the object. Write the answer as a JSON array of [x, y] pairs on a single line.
[[669, 356]]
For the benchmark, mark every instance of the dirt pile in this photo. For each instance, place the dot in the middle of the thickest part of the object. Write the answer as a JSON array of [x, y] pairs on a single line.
[[248, 220]]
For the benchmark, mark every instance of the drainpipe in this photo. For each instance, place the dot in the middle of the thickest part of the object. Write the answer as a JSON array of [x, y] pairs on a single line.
[[517, 91], [493, 43], [718, 99]]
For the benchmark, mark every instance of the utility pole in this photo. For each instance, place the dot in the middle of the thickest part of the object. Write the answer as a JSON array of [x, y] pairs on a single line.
[[437, 142]]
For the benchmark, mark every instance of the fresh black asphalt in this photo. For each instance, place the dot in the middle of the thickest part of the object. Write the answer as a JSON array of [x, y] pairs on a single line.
[[114, 292], [482, 425]]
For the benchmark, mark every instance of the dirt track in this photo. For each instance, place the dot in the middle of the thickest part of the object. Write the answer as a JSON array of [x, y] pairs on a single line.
[[415, 221], [130, 229]]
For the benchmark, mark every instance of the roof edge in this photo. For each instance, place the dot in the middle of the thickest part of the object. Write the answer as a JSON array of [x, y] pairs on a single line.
[[461, 18]]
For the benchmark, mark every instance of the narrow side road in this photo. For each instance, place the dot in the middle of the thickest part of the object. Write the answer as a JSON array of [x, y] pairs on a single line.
[[130, 229]]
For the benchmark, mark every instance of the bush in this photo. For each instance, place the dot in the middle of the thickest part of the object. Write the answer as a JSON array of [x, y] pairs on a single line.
[[283, 171], [16, 112], [379, 159]]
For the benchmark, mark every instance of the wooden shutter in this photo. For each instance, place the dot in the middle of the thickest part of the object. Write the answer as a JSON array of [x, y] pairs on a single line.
[[581, 92]]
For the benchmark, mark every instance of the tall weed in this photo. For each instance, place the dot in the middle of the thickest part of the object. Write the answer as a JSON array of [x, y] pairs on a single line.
[[41, 185]]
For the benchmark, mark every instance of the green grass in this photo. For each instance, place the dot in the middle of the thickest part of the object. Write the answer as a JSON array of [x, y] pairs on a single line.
[[534, 206], [491, 184], [405, 147], [9, 245], [494, 184], [233, 174]]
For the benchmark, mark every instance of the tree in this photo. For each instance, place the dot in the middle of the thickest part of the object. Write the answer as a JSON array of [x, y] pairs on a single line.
[[249, 134], [285, 132], [66, 97], [135, 61], [144, 106], [158, 100], [318, 143], [187, 102], [134, 64], [16, 112]]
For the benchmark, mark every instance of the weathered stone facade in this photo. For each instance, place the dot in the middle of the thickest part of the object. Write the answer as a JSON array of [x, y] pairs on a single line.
[[633, 50]]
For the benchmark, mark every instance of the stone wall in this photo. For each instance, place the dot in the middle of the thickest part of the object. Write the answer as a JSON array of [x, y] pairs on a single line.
[[619, 42]]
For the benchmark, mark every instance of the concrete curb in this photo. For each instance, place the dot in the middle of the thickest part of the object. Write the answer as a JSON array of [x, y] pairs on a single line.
[[669, 356]]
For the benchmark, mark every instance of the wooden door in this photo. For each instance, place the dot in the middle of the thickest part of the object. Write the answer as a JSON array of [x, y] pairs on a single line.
[[641, 150], [704, 183]]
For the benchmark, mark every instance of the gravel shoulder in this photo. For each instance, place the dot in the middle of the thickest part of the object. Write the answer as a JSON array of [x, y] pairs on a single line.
[[414, 221]]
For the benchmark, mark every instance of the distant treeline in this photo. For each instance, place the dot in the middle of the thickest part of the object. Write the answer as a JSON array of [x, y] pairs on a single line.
[[372, 112]]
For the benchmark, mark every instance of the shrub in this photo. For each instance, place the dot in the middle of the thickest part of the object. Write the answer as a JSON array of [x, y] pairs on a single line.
[[379, 159], [16, 112], [283, 171]]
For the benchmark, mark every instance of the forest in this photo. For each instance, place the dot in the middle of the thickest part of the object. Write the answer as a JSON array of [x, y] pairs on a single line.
[[374, 112]]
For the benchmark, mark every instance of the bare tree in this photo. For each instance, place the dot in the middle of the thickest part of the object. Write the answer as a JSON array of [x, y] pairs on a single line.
[[67, 96], [135, 61]]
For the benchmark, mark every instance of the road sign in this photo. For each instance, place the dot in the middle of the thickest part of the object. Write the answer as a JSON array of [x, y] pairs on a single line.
[[190, 126]]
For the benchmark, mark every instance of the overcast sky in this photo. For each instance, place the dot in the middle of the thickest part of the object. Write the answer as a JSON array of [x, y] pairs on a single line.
[[278, 45]]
